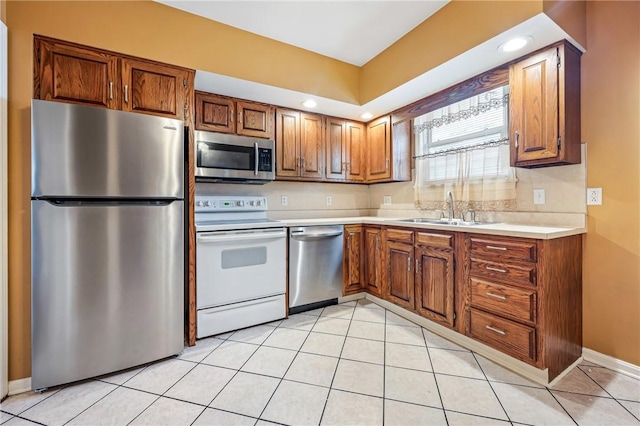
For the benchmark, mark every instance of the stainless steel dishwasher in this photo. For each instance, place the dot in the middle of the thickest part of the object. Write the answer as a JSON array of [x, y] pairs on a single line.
[[315, 266]]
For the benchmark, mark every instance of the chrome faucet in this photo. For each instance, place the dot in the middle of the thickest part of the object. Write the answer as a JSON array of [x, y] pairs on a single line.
[[450, 202]]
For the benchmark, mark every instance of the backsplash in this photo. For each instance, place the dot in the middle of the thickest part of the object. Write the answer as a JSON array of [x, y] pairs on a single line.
[[565, 204], [304, 199]]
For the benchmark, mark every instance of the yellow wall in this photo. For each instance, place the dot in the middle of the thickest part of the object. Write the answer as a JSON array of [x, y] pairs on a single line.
[[3, 10], [570, 15], [454, 29], [611, 129]]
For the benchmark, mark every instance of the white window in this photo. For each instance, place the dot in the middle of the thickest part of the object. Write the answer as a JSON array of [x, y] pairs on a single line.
[[464, 148], [465, 140]]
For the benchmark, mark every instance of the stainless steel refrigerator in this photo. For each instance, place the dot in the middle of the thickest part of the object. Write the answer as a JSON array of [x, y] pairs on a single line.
[[107, 241]]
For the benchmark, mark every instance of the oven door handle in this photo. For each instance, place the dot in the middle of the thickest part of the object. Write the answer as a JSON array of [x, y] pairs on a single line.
[[211, 239]]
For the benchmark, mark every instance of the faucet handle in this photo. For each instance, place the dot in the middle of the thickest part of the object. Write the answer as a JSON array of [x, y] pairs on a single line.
[[441, 213], [472, 214]]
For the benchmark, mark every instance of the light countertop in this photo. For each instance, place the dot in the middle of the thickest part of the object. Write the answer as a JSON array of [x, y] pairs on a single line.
[[505, 229]]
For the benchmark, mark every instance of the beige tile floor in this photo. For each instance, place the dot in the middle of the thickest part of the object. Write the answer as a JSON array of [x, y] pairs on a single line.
[[351, 364]]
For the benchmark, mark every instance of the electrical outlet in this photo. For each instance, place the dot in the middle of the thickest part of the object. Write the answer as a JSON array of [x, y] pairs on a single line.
[[539, 196], [387, 200], [329, 200], [284, 200], [594, 196]]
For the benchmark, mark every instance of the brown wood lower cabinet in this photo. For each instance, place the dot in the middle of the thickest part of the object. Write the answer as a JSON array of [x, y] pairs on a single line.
[[399, 288], [374, 265], [435, 277], [353, 265], [520, 296]]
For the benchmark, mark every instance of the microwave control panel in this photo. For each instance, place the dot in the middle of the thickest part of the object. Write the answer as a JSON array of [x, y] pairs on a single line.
[[265, 160]]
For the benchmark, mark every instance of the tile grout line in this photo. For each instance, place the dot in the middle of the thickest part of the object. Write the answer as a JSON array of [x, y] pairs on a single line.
[[426, 345], [491, 387], [292, 361], [606, 391], [337, 366], [384, 367]]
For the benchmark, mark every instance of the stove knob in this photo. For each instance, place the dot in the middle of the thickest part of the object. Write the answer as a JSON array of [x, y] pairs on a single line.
[[258, 203], [252, 203], [239, 203], [198, 203], [207, 203]]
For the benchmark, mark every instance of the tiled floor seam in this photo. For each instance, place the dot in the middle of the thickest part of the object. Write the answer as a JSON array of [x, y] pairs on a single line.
[[491, 387], [289, 367], [336, 370], [435, 379]]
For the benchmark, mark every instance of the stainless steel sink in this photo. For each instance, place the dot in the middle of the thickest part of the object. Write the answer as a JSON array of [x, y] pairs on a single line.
[[450, 222]]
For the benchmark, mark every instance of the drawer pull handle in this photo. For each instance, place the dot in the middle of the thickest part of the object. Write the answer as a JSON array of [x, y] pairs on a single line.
[[497, 296], [490, 268], [497, 248], [488, 327]]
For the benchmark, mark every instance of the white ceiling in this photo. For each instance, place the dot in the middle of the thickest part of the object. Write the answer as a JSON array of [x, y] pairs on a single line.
[[367, 20], [350, 31]]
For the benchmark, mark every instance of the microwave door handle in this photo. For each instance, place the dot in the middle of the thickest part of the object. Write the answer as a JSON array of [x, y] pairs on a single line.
[[255, 169]]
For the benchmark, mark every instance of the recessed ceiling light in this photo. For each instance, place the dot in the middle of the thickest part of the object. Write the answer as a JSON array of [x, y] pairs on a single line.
[[366, 115], [310, 103], [515, 44]]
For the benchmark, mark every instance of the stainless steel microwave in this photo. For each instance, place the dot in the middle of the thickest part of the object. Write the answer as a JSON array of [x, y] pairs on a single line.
[[235, 159]]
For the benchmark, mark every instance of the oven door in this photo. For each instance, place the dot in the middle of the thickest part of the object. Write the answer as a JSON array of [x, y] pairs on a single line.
[[236, 266], [231, 157]]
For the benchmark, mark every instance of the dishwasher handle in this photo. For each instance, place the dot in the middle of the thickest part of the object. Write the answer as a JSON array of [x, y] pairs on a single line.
[[301, 235]]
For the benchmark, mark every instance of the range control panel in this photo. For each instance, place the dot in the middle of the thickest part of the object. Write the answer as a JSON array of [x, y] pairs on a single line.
[[215, 203]]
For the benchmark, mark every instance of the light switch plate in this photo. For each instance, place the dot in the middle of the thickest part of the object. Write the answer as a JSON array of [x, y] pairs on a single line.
[[594, 196], [539, 196], [387, 200]]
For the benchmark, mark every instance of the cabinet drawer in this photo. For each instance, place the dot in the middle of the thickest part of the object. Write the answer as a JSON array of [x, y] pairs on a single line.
[[400, 235], [508, 301], [507, 336], [508, 273], [503, 249], [434, 240]]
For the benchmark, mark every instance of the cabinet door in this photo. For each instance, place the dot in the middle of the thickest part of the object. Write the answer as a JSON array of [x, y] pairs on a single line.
[[287, 143], [379, 150], [374, 261], [311, 146], [157, 89], [352, 264], [254, 119], [69, 73], [215, 113], [355, 149], [336, 149], [399, 286], [533, 108], [434, 284]]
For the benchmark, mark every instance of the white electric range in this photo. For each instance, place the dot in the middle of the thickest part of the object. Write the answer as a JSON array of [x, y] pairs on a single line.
[[240, 264]]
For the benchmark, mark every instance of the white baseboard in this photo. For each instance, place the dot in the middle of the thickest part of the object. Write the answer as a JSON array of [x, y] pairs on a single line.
[[19, 386], [611, 363], [351, 297]]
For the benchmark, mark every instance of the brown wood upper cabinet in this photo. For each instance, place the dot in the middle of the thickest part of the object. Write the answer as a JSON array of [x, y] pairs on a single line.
[[67, 72], [388, 151], [544, 108], [344, 142], [352, 268], [223, 114], [299, 145]]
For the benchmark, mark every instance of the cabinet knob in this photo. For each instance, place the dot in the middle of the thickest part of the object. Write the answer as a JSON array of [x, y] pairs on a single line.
[[126, 94], [517, 136], [111, 90]]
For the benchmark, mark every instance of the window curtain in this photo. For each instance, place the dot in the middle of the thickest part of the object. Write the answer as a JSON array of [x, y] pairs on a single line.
[[464, 148]]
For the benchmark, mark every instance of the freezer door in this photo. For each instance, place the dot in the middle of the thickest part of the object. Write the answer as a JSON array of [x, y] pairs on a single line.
[[107, 288], [81, 151]]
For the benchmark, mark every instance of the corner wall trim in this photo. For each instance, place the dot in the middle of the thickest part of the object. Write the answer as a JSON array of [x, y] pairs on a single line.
[[19, 386], [611, 363]]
